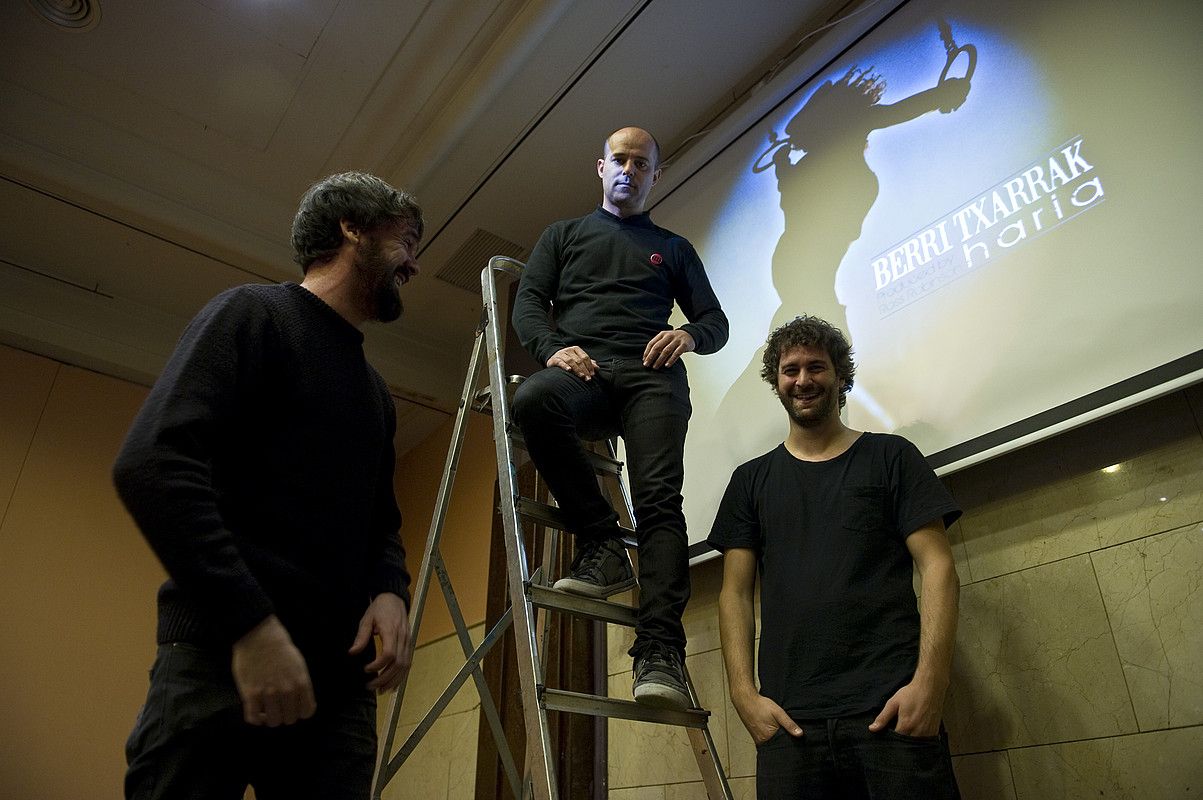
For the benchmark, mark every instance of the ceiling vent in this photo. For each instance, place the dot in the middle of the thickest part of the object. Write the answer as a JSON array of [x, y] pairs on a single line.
[[73, 15], [463, 269]]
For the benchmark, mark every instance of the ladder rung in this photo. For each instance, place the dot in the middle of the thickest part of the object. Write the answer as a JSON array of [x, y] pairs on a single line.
[[593, 705], [552, 517], [602, 463], [539, 512], [587, 607]]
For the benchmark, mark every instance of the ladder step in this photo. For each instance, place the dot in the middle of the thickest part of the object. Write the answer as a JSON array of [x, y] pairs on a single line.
[[552, 517], [587, 607], [595, 706], [541, 513], [602, 463]]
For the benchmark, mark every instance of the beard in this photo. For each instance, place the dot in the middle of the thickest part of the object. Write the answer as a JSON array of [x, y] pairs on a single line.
[[828, 405], [384, 298]]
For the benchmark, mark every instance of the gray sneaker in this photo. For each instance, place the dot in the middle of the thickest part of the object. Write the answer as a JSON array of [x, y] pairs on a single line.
[[660, 680], [600, 569]]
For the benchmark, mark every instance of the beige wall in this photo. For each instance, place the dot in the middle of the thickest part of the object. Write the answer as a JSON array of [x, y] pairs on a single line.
[[1080, 651], [466, 530], [78, 583]]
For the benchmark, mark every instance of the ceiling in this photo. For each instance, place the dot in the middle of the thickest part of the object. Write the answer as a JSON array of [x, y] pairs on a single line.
[[153, 155]]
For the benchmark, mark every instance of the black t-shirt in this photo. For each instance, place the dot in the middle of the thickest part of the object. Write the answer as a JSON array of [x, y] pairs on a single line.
[[839, 622]]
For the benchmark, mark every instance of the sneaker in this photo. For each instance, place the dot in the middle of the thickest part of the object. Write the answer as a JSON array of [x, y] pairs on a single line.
[[600, 569], [660, 680]]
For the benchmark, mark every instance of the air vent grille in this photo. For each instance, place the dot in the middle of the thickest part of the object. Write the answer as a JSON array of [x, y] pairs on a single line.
[[463, 268]]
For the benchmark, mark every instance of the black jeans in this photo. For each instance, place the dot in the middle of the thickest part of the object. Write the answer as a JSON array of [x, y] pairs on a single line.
[[841, 759], [650, 409], [190, 740]]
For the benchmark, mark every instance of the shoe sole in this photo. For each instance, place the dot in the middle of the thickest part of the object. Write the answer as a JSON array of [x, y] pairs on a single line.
[[656, 695], [573, 586]]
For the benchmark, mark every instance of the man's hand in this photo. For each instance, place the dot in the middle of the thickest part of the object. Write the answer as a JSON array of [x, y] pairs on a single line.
[[271, 676], [574, 360], [918, 708], [762, 717], [387, 618], [666, 347]]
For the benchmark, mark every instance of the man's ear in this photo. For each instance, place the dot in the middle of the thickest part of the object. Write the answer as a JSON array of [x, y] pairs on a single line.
[[350, 230], [656, 175]]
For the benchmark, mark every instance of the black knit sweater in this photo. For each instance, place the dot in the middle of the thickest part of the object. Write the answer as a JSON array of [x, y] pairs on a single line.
[[260, 470], [613, 282]]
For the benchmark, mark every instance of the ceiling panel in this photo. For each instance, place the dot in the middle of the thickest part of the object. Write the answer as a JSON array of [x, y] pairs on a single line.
[[157, 158]]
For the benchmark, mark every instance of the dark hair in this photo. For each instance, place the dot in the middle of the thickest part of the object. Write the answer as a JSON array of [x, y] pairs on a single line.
[[810, 332], [361, 199], [655, 144]]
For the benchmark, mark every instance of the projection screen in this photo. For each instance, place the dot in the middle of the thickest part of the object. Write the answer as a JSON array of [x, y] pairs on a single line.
[[997, 202]]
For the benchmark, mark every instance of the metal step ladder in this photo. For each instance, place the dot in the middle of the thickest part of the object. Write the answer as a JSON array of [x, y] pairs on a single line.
[[530, 596]]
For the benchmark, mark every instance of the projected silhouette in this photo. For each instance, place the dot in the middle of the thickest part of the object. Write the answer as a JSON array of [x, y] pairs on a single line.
[[827, 189]]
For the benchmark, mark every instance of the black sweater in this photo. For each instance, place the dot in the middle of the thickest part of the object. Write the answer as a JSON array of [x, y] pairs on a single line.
[[613, 282], [260, 470]]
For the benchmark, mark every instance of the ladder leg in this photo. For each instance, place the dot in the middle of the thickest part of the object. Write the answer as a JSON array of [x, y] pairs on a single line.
[[538, 736], [422, 584]]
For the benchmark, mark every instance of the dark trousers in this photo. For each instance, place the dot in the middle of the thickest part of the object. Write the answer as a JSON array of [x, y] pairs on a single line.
[[556, 410], [841, 759], [190, 740]]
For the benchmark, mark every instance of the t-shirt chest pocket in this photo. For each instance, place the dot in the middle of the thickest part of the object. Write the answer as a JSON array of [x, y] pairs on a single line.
[[863, 508]]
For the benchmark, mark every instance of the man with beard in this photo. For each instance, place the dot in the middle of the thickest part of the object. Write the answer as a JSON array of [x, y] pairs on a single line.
[[260, 471], [613, 367], [852, 675]]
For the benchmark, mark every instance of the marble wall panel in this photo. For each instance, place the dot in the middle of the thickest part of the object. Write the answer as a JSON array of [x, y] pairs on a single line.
[[637, 793], [986, 776], [426, 766], [1153, 592], [1116, 480], [741, 759], [643, 754], [1035, 662], [619, 639], [1163, 765], [701, 615], [443, 765], [461, 756], [685, 791], [743, 788], [434, 665]]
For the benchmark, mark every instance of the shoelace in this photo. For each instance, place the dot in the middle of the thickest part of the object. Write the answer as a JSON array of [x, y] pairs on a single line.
[[589, 558], [658, 659]]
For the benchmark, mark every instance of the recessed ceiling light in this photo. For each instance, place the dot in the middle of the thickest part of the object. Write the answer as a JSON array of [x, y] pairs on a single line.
[[73, 15]]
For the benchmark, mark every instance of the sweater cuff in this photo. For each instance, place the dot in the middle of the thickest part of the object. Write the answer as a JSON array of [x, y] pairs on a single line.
[[699, 340]]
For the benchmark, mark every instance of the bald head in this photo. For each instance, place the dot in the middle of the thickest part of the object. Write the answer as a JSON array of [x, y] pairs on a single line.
[[639, 133], [629, 168]]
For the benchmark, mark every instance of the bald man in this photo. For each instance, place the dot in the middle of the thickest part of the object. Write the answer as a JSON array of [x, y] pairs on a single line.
[[593, 308]]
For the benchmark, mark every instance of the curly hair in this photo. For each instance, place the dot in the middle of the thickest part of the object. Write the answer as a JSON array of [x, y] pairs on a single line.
[[362, 199], [809, 331]]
